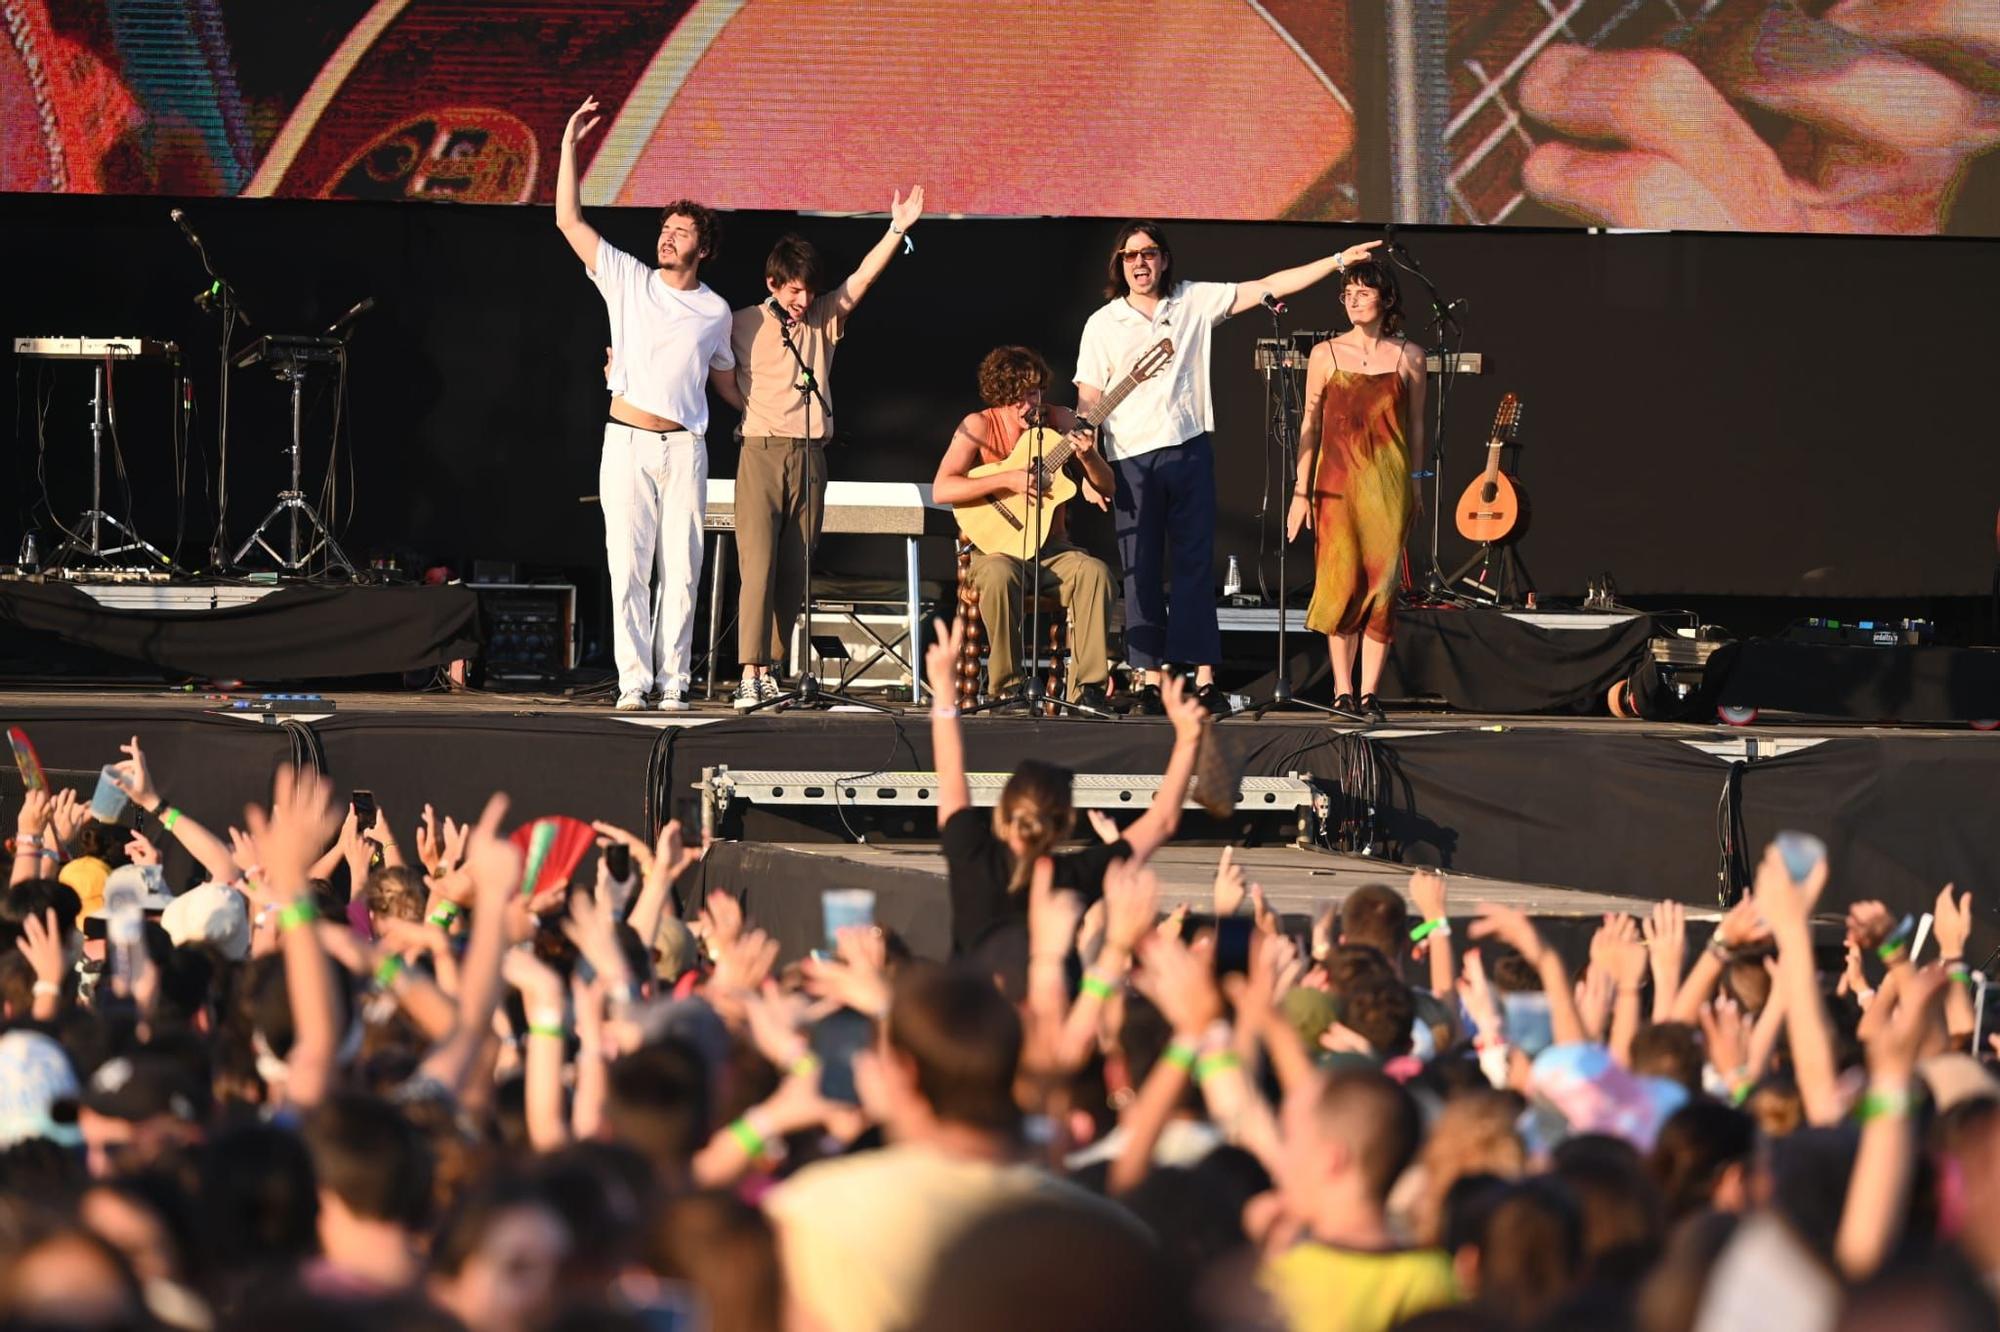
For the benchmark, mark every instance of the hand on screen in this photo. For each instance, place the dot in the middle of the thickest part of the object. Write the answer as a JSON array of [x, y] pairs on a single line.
[[903, 213], [1884, 118], [573, 132]]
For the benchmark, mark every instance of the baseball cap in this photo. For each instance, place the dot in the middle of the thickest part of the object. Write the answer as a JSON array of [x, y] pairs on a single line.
[[38, 1090], [87, 876], [144, 1086], [212, 914], [149, 881]]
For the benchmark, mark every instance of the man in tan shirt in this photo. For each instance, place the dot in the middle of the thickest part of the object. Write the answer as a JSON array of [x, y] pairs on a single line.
[[781, 478]]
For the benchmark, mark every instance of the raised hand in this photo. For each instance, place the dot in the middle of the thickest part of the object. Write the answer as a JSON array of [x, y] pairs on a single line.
[[1184, 709], [1180, 982], [540, 986], [1230, 888], [133, 777], [1952, 921], [67, 816], [904, 210], [1131, 900], [140, 850], [493, 862], [1101, 823], [34, 813], [642, 855], [578, 127], [429, 849], [1476, 993], [41, 943], [1785, 906], [722, 920], [1723, 1035], [1510, 927], [1354, 254], [941, 661], [291, 836], [1427, 892]]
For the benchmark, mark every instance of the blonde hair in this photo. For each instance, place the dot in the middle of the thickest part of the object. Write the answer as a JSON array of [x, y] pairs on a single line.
[[1036, 807]]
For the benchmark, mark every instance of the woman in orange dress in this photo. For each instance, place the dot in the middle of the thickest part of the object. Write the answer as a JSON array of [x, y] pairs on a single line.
[[1363, 422]]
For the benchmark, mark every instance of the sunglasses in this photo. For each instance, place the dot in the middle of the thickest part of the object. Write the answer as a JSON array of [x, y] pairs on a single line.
[[1151, 254]]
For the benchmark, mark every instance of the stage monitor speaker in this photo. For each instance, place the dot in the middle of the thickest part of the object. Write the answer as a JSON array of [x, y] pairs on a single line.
[[530, 632]]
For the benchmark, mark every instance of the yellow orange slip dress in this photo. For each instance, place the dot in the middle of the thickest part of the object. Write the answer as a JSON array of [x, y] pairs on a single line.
[[1361, 503]]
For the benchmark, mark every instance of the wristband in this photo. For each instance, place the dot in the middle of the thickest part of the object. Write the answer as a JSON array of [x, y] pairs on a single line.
[[170, 818], [1497, 1041], [1097, 987], [1430, 927], [1209, 1065], [1741, 1092], [302, 912], [1959, 973], [804, 1064], [444, 914], [554, 1030], [1898, 940], [943, 712], [1884, 1104], [386, 973], [24, 841], [46, 987], [748, 1138], [1717, 946], [1181, 1055]]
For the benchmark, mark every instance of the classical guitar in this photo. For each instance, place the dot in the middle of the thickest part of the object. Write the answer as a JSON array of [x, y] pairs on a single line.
[[1490, 509], [1009, 524]]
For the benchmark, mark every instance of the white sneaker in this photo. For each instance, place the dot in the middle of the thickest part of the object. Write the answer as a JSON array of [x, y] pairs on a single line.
[[671, 700], [632, 700], [767, 688], [748, 693]]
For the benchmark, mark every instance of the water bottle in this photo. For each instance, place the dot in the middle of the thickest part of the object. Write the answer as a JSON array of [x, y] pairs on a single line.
[[1232, 582]]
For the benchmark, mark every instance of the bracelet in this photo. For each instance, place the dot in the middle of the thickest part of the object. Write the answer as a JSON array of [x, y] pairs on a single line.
[[551, 1029], [386, 973], [1883, 1104], [1898, 940], [1741, 1091], [1209, 1065], [943, 712], [1440, 926], [301, 912], [1721, 949], [170, 818], [46, 987], [747, 1137], [1181, 1055], [1097, 987], [24, 841], [803, 1065], [444, 914], [1959, 973], [895, 231], [1497, 1041]]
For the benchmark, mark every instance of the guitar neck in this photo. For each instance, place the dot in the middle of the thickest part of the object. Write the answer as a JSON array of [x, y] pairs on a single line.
[[1108, 404], [1493, 447]]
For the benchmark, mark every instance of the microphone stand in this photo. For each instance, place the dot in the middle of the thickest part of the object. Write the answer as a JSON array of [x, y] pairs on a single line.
[[220, 295], [807, 693], [1280, 437], [1444, 324]]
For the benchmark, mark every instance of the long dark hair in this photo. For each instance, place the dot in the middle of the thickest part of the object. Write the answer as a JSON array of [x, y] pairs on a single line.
[[1037, 803], [1381, 280], [1115, 284]]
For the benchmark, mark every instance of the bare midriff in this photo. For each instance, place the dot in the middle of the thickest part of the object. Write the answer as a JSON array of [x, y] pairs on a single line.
[[622, 410]]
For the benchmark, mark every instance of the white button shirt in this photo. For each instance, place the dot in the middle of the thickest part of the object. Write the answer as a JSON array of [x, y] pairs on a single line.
[[1174, 405]]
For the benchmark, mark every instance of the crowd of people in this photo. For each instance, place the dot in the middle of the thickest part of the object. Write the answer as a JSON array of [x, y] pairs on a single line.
[[368, 1073]]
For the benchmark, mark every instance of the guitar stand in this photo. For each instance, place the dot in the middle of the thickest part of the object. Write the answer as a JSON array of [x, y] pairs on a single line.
[[1515, 585]]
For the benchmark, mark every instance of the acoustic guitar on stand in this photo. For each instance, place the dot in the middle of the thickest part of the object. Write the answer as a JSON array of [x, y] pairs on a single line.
[[1010, 524], [1490, 510]]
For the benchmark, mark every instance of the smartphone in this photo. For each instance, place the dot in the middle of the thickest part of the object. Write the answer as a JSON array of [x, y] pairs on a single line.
[[618, 861], [1232, 945], [1801, 852], [364, 810], [836, 1039]]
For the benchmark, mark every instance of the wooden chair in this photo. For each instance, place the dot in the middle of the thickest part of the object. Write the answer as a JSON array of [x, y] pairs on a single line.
[[972, 653]]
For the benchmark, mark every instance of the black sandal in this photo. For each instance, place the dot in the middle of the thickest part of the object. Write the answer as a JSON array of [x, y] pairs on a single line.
[[1345, 703], [1371, 708]]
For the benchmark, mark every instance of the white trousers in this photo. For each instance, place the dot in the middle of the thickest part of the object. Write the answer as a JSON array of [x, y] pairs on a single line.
[[653, 488]]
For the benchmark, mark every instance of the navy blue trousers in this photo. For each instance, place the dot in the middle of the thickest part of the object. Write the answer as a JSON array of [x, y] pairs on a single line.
[[1165, 510]]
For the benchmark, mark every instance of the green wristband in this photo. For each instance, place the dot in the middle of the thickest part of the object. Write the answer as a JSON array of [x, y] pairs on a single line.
[[169, 817], [748, 1138], [1097, 987], [1209, 1065], [1424, 931], [1180, 1055], [388, 970], [298, 913], [1898, 940], [1882, 1104], [444, 914], [553, 1030]]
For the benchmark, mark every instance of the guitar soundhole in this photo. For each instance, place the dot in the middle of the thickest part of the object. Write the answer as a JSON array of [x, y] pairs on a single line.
[[1487, 492]]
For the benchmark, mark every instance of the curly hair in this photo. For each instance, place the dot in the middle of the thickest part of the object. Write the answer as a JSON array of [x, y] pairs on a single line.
[[1377, 278], [1115, 284], [1009, 374], [707, 226]]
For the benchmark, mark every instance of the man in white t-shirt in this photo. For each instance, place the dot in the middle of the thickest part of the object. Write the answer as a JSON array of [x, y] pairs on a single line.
[[1157, 443], [668, 331]]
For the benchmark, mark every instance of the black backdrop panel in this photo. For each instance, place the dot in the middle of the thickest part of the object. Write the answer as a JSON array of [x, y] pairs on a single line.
[[1797, 416]]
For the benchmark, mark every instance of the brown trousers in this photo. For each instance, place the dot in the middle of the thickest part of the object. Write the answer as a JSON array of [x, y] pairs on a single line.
[[1081, 583], [780, 498]]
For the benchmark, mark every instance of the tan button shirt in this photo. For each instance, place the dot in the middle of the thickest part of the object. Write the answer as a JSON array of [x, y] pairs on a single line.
[[769, 377]]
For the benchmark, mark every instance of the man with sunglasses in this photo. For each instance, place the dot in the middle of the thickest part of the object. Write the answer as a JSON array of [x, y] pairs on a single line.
[[1158, 444]]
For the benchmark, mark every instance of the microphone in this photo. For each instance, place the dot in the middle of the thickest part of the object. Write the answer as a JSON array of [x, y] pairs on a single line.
[[784, 315], [359, 308], [180, 220], [1271, 303]]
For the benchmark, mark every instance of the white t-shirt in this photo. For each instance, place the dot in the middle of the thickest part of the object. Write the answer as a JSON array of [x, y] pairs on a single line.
[[663, 341], [1173, 406]]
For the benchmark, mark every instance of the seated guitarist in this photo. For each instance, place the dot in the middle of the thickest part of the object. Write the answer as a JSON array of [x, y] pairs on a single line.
[[1011, 380]]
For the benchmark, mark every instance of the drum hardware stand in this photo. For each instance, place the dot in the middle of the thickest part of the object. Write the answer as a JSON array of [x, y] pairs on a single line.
[[87, 537], [1279, 437], [808, 693], [291, 357]]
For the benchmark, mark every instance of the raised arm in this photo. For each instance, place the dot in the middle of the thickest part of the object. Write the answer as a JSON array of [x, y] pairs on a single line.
[[903, 214], [1288, 280], [947, 745], [136, 780], [1514, 929], [582, 237], [1787, 908], [301, 818], [1156, 826]]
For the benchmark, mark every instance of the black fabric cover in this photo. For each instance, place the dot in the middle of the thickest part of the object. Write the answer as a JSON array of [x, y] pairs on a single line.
[[1912, 684], [298, 632], [781, 892], [1483, 660]]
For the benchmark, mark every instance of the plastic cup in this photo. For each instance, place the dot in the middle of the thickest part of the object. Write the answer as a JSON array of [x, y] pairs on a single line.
[[1801, 852], [107, 803], [843, 908]]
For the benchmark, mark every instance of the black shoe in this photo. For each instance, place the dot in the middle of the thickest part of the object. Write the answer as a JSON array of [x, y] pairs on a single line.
[[1146, 703], [1371, 708], [1345, 703], [1093, 696], [1212, 698]]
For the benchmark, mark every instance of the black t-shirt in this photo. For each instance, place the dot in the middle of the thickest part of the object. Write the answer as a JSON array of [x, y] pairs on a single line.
[[981, 867]]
